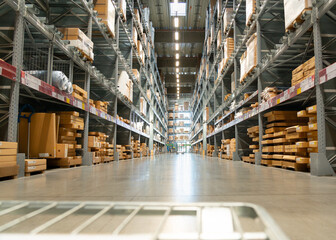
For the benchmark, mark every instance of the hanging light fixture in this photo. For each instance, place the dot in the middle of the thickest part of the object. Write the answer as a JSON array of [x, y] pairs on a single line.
[[176, 22]]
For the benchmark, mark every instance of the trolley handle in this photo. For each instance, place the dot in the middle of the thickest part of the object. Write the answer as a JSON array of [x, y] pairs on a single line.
[[24, 107]]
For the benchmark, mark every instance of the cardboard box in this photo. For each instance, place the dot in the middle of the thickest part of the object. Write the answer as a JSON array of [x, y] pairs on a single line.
[[8, 160], [12, 145], [7, 171], [29, 169], [62, 150], [35, 162]]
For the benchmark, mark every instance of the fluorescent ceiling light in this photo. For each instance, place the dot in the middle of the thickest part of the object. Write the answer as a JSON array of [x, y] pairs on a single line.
[[177, 56], [177, 80], [178, 85], [176, 22], [178, 9], [177, 63], [176, 35], [177, 46], [177, 70]]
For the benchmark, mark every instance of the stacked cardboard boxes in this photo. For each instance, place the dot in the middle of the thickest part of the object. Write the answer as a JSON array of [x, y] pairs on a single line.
[[210, 150], [8, 166], [79, 40], [102, 150], [69, 125], [79, 93], [303, 71], [102, 106], [253, 133], [35, 165], [228, 147], [106, 11], [136, 148]]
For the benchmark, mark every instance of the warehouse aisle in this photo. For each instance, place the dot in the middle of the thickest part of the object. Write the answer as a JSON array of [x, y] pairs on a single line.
[[297, 201]]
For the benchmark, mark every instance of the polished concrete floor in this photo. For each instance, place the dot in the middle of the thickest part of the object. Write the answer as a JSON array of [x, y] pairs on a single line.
[[304, 206]]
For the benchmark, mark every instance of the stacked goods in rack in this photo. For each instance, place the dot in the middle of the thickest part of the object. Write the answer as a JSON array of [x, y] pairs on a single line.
[[219, 39], [102, 106], [143, 106], [228, 49], [101, 149], [210, 150], [283, 140], [250, 10], [70, 124], [79, 40], [124, 152], [295, 11], [92, 103], [35, 166], [125, 86], [227, 18], [144, 149], [136, 148], [8, 166], [136, 74], [210, 129], [311, 130], [228, 147], [123, 9], [253, 133], [79, 93], [106, 12], [303, 71], [124, 120], [248, 60]]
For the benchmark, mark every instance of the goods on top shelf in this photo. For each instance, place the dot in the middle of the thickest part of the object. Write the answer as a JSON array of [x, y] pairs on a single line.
[[303, 71], [294, 9], [106, 12], [8, 165], [78, 40]]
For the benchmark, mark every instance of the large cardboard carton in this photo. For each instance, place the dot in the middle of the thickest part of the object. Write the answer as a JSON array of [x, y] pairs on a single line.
[[106, 12], [294, 9]]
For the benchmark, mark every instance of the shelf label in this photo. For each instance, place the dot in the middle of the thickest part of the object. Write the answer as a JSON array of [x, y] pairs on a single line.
[[298, 91], [83, 106], [67, 100], [278, 101]]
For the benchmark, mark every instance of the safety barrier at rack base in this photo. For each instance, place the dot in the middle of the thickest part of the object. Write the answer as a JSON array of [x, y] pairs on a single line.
[[7, 70], [328, 73]]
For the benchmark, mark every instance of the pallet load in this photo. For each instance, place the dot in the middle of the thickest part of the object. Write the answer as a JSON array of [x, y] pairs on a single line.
[[311, 130], [227, 18], [101, 149], [69, 125], [253, 133], [294, 12], [228, 147], [210, 150], [79, 93], [280, 139], [106, 12], [144, 149], [228, 49], [102, 106], [8, 165], [136, 148], [250, 10], [35, 166], [125, 86], [303, 71], [79, 40], [123, 9]]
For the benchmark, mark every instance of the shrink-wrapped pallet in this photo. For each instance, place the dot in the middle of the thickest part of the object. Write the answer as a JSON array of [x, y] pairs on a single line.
[[243, 61], [228, 49], [106, 11], [294, 10], [227, 18], [250, 10], [251, 61]]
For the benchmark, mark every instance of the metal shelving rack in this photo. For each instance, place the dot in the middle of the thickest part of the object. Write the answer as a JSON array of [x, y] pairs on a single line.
[[32, 35], [278, 53]]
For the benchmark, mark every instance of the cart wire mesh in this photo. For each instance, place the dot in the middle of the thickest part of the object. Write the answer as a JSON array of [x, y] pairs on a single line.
[[135, 220]]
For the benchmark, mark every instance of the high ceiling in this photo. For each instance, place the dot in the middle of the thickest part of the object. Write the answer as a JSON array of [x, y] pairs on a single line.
[[191, 39]]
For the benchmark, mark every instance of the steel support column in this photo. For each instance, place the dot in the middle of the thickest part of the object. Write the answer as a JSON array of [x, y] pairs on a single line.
[[17, 62]]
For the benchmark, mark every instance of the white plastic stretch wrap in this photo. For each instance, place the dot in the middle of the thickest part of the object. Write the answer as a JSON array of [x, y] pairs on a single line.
[[294, 9], [250, 10], [227, 18], [251, 61]]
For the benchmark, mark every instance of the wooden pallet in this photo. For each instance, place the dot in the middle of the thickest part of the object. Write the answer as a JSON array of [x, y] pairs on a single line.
[[298, 21], [28, 174], [84, 55], [302, 167]]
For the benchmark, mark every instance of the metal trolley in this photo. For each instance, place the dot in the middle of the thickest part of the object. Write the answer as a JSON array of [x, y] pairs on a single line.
[[135, 220]]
